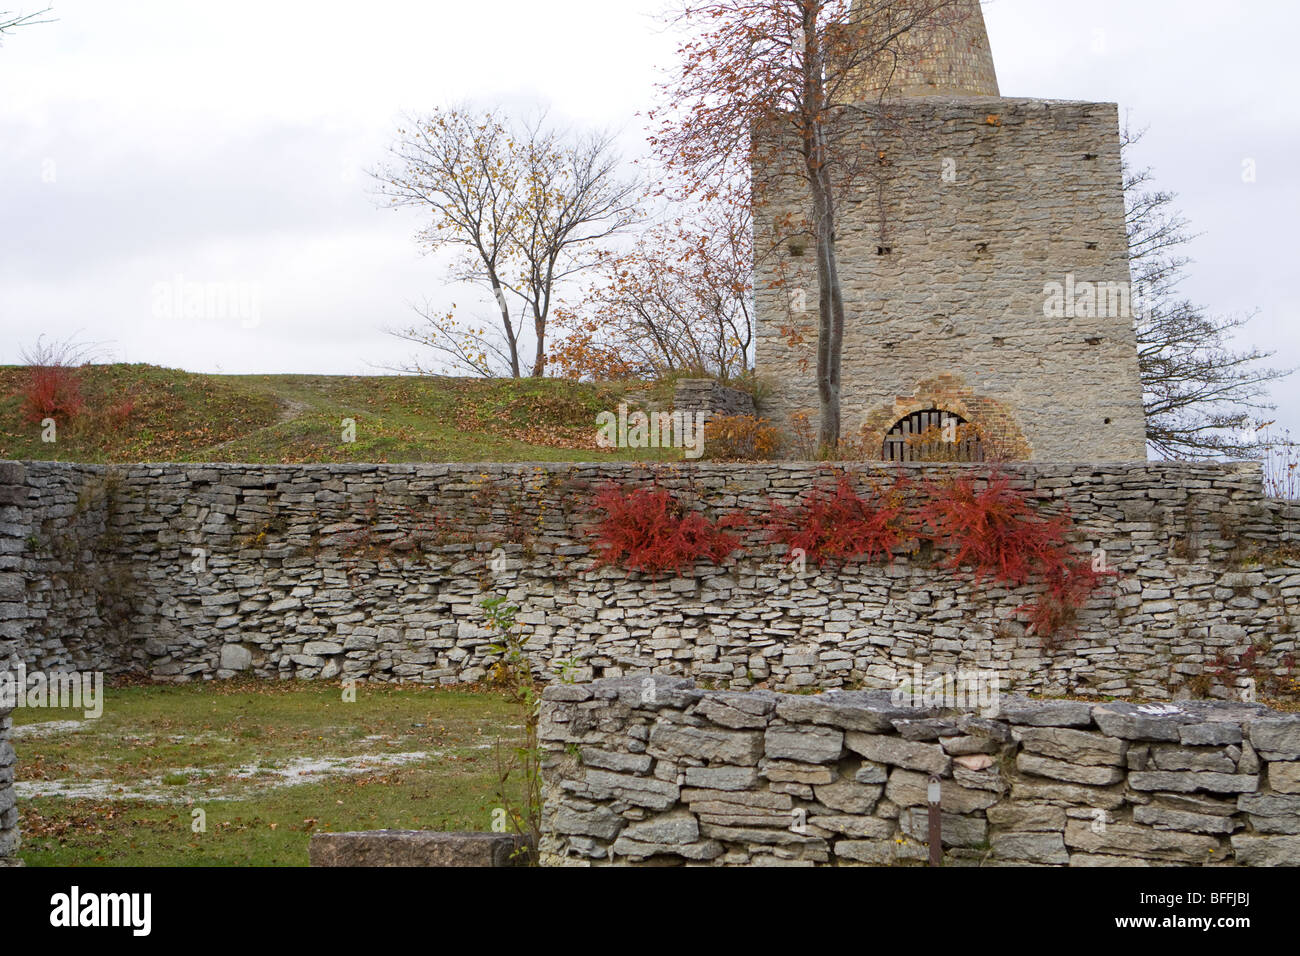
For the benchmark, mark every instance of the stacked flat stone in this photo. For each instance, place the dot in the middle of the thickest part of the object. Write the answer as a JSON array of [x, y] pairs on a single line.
[[190, 572], [655, 771], [951, 57], [9, 838], [16, 517], [695, 395]]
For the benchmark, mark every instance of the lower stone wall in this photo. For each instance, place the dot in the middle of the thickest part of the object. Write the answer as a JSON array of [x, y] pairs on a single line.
[[9, 839], [656, 771]]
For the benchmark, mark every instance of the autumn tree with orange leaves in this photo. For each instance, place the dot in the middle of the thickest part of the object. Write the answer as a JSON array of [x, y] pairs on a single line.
[[679, 301], [771, 87]]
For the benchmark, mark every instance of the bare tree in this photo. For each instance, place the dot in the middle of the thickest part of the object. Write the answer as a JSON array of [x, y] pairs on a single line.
[[12, 21], [776, 85], [581, 200], [526, 206], [1203, 398]]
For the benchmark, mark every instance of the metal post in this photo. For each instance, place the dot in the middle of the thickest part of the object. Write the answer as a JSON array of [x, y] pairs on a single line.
[[935, 795]]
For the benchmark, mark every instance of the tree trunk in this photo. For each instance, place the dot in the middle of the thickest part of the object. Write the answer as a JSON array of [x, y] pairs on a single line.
[[499, 294], [830, 294], [539, 363], [830, 314]]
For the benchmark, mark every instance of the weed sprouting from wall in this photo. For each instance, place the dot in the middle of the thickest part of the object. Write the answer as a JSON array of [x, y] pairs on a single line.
[[1247, 671], [1281, 466], [982, 524], [513, 672]]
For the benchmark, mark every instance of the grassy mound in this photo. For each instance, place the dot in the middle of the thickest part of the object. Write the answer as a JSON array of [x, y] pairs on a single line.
[[138, 413]]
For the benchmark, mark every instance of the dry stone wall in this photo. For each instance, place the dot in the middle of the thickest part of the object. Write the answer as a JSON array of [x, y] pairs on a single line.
[[655, 771], [371, 572], [9, 839], [13, 517]]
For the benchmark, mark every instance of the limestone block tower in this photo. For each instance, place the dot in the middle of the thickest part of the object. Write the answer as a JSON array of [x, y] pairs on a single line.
[[953, 58], [985, 270]]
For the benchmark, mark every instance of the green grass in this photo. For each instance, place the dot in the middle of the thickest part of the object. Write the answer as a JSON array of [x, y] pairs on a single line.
[[186, 417], [234, 751]]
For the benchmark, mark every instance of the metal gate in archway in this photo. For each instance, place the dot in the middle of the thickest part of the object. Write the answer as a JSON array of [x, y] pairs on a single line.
[[933, 435]]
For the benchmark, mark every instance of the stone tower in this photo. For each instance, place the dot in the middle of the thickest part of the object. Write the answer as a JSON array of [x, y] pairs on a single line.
[[952, 58], [985, 270]]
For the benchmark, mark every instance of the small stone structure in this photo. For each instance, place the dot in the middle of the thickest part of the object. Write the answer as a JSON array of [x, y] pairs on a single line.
[[706, 395], [377, 572], [654, 771], [9, 838]]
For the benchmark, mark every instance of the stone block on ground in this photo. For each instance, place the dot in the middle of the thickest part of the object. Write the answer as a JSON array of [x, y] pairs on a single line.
[[416, 848]]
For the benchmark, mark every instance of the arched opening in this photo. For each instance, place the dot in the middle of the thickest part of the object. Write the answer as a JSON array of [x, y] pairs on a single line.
[[933, 435]]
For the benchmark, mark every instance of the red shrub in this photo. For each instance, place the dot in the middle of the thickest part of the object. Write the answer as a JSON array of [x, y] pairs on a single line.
[[1069, 586], [119, 414], [647, 529], [51, 391], [52, 388], [996, 530], [835, 526]]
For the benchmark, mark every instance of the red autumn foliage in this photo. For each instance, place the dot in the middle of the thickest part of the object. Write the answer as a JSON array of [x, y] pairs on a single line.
[[51, 391], [118, 415], [52, 386], [647, 529], [1070, 584], [835, 526], [988, 526], [1229, 671], [996, 530]]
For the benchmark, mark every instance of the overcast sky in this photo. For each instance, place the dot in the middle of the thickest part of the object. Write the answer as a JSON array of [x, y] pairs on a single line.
[[149, 142]]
